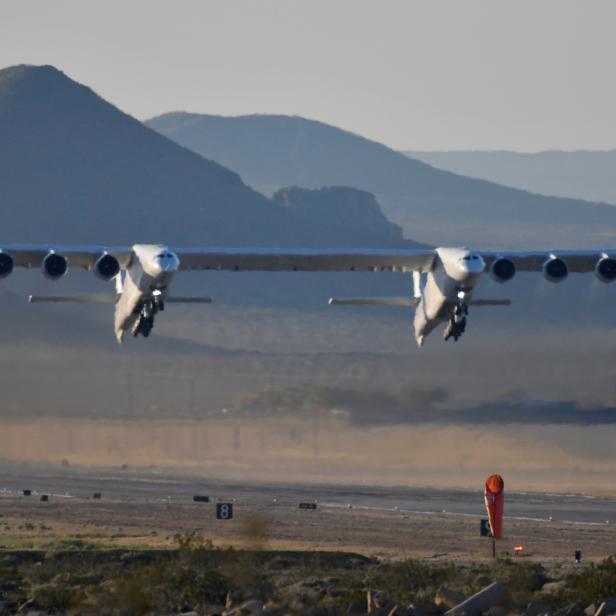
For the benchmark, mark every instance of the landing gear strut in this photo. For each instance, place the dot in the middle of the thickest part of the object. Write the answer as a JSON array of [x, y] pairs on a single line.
[[457, 324], [146, 312]]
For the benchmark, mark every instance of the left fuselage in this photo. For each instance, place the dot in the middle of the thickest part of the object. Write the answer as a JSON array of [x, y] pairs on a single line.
[[450, 283], [147, 280]]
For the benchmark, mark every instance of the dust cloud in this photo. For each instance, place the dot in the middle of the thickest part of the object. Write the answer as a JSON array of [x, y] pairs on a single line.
[[547, 458]]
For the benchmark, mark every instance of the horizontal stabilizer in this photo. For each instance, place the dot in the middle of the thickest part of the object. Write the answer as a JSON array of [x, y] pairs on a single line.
[[85, 299], [375, 301], [404, 301], [491, 302], [188, 300]]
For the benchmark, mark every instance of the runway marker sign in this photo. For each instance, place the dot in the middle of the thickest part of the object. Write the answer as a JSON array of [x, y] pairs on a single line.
[[307, 505], [224, 511]]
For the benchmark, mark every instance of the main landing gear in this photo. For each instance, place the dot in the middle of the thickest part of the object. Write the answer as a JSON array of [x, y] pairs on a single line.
[[146, 311], [457, 324]]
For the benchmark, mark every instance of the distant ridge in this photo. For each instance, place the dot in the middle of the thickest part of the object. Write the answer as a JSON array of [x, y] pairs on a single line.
[[439, 207], [581, 174]]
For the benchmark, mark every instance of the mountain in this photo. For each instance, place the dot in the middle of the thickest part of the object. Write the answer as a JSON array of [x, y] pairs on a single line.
[[439, 207], [340, 215], [580, 174], [75, 169]]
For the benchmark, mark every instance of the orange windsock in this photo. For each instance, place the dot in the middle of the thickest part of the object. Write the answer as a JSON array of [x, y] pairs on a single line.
[[495, 504]]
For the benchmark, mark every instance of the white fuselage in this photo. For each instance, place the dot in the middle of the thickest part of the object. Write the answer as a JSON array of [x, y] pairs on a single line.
[[450, 283], [452, 280], [147, 277]]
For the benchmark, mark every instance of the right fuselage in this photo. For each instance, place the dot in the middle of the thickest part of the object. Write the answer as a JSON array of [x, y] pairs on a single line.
[[448, 288]]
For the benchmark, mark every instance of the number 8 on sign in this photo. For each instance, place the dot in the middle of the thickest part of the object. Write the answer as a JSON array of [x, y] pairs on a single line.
[[224, 511]]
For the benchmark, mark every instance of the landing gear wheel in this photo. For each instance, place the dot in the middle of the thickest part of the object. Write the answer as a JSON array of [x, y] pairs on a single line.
[[146, 319], [455, 328]]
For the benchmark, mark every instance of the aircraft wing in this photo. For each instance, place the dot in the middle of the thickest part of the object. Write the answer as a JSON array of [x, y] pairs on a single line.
[[308, 260], [25, 255], [578, 261]]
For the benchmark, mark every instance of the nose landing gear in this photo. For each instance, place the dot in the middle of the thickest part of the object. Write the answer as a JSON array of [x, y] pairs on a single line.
[[457, 324], [147, 310]]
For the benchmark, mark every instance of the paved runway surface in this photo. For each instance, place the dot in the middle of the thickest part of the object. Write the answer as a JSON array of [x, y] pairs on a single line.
[[142, 486]]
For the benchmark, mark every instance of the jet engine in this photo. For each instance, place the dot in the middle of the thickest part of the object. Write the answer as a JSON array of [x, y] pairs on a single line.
[[605, 270], [555, 269], [6, 264], [502, 270], [106, 267], [54, 266]]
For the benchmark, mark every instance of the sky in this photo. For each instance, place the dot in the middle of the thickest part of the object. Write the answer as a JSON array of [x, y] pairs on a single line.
[[527, 75]]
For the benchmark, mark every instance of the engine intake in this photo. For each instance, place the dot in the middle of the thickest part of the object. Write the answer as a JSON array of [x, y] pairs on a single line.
[[555, 269], [605, 270], [6, 265], [502, 270], [54, 266], [106, 267]]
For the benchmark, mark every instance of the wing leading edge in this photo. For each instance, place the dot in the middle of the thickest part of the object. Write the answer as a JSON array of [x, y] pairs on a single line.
[[81, 257], [578, 261], [316, 260], [310, 260]]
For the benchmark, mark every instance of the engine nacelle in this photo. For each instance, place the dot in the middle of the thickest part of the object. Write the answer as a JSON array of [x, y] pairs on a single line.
[[502, 270], [605, 270], [6, 265], [106, 267], [54, 266], [555, 269]]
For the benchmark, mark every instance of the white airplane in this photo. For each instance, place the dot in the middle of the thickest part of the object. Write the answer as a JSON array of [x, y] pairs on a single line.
[[444, 279]]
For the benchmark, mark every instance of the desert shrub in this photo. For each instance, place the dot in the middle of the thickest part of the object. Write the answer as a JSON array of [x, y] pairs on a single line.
[[56, 598], [595, 582], [411, 580], [248, 573]]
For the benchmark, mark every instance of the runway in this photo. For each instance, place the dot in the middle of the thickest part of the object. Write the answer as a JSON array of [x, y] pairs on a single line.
[[148, 507], [131, 485]]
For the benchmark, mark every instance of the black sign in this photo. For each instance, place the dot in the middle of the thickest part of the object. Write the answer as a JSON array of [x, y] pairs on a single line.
[[578, 556], [27, 492], [97, 495], [44, 497], [224, 511], [307, 505], [484, 529], [201, 499]]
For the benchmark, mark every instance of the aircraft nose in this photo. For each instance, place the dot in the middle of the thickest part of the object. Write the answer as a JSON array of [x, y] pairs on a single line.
[[476, 265], [167, 262], [471, 264]]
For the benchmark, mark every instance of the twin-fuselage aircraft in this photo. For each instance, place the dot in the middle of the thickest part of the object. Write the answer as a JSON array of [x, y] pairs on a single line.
[[444, 279]]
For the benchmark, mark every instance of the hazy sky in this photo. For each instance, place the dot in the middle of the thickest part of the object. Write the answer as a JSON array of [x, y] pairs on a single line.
[[450, 74]]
